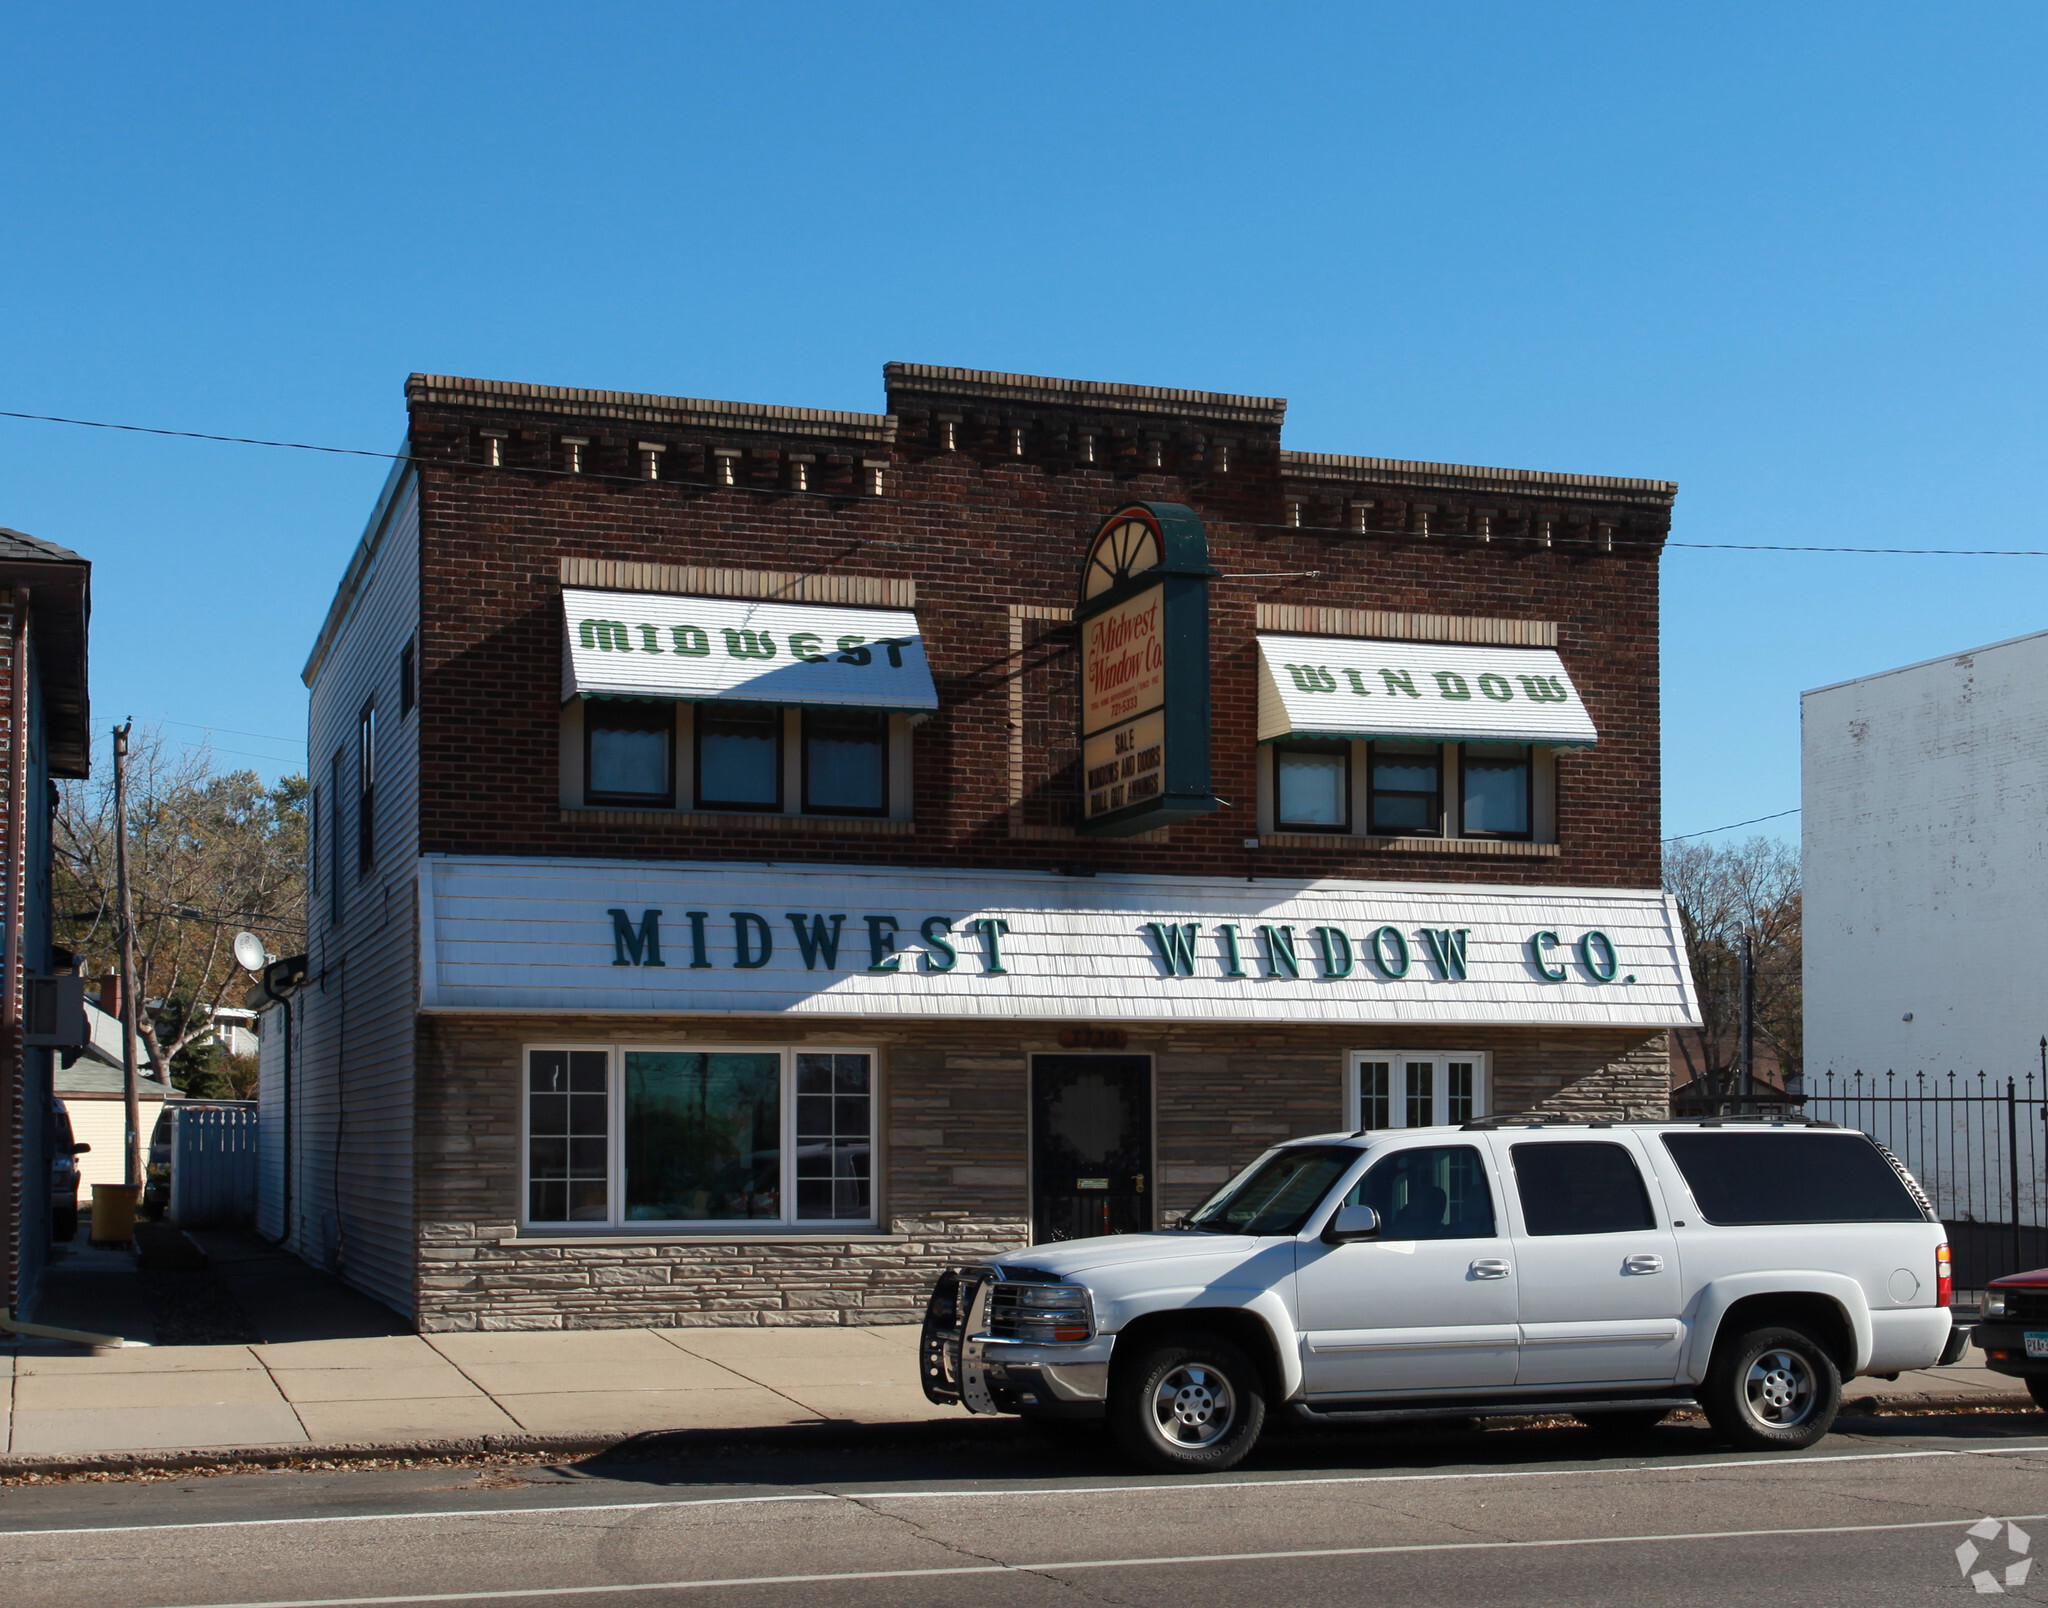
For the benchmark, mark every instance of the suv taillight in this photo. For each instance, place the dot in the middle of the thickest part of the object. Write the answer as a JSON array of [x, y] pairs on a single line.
[[1944, 1277]]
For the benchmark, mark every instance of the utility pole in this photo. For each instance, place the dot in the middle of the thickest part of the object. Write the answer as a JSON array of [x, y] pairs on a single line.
[[131, 1092], [1748, 1015]]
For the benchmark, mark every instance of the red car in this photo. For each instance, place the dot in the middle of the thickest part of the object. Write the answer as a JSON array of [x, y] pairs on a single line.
[[2014, 1333]]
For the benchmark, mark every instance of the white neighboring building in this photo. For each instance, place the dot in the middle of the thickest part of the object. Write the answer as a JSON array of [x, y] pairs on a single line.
[[1925, 795]]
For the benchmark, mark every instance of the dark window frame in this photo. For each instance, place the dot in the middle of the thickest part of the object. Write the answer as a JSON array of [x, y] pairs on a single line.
[[366, 788], [1341, 747], [1528, 798], [408, 673], [804, 758], [593, 795], [701, 801], [1373, 792], [337, 835]]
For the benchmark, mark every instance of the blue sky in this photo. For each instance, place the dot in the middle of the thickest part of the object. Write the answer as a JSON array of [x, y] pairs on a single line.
[[1789, 256]]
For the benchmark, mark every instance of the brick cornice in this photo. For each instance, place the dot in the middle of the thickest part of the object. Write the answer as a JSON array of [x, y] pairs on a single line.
[[635, 407], [929, 382]]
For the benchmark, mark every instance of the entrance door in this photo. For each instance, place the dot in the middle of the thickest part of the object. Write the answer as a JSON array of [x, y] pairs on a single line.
[[1091, 1145]]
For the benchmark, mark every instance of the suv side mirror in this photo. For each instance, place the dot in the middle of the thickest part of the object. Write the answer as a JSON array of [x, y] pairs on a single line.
[[1351, 1224]]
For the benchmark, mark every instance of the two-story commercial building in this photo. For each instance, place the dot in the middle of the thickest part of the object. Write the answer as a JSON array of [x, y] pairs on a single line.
[[765, 854]]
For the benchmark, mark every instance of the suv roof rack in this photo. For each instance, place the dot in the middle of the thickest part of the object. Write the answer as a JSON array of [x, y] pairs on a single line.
[[1780, 1118], [1527, 1119]]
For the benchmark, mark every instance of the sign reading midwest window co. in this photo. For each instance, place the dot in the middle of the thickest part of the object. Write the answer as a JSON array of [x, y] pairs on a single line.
[[730, 938], [653, 645], [1355, 687], [1144, 623]]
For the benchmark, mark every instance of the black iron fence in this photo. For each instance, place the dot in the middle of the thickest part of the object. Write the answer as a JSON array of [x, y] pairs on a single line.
[[1977, 1143]]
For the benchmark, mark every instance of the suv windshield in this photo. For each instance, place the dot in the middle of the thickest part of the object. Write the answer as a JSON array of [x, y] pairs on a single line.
[[1276, 1194]]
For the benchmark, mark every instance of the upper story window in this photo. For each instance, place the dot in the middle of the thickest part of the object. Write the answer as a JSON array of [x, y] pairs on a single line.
[[739, 705], [628, 753], [1413, 739]]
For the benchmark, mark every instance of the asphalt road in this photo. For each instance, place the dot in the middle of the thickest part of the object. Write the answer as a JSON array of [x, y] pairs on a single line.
[[1872, 1516]]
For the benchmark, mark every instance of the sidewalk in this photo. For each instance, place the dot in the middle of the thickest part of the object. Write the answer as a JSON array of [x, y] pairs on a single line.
[[583, 1388]]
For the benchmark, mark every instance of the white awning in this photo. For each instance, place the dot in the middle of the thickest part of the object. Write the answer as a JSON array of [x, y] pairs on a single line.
[[692, 649], [1317, 686]]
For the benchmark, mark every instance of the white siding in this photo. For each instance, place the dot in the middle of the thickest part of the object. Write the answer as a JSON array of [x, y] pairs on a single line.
[[352, 1207], [272, 1084], [1926, 887]]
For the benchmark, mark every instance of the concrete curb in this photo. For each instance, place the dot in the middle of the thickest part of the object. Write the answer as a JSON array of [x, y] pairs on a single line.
[[645, 1443], [822, 1436]]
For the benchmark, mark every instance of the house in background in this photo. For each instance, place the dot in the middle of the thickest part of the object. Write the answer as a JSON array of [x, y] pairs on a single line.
[[1926, 917], [45, 610], [91, 1082]]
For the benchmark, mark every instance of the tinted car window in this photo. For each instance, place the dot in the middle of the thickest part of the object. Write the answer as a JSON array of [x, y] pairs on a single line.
[[1578, 1187], [1433, 1192], [1791, 1178]]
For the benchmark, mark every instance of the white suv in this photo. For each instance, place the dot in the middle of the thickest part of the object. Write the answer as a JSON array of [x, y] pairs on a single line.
[[1614, 1271]]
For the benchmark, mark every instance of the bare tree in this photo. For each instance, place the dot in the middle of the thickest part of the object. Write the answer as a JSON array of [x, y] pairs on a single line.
[[209, 853], [1726, 893]]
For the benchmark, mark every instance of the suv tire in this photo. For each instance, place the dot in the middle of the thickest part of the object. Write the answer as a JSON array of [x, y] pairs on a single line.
[[1191, 1403], [1772, 1389]]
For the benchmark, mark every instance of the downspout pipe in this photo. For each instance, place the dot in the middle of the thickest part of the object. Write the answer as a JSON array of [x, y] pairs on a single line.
[[13, 1052]]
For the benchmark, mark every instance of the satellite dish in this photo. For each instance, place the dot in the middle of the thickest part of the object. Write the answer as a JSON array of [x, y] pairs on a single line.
[[249, 952]]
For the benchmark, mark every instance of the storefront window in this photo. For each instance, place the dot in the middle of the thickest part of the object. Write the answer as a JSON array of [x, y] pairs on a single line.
[[739, 757], [699, 1137], [1417, 1088], [1312, 786], [567, 1136], [627, 759], [846, 761], [1496, 789], [703, 1136], [834, 1113]]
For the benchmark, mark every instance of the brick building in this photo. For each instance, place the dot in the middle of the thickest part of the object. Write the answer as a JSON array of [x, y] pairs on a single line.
[[712, 920]]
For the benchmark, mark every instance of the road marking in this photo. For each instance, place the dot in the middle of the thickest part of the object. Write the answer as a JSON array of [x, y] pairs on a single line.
[[1762, 1460], [1059, 1567]]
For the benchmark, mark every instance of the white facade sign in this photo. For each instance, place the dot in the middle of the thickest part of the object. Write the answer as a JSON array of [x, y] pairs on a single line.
[[1435, 691], [522, 934], [651, 645]]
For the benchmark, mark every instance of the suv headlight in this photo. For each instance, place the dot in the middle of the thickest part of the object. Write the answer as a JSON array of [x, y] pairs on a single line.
[[1041, 1312], [1994, 1303]]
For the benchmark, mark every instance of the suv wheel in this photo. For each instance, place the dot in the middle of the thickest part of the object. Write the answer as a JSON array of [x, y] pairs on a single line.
[[1773, 1389], [1191, 1404]]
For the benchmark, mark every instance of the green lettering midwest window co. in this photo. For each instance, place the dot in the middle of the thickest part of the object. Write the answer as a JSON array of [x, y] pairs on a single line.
[[1280, 955], [636, 946], [1446, 946], [1496, 687], [1399, 681], [608, 636], [1311, 677], [691, 640], [1357, 683], [1176, 941], [937, 932], [1544, 689], [1334, 947], [1451, 684], [815, 941]]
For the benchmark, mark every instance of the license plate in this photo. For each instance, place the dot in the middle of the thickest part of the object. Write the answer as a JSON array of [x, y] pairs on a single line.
[[2037, 1342]]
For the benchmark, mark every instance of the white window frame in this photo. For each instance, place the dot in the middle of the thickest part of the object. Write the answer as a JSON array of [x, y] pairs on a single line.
[[1397, 1100], [616, 1220]]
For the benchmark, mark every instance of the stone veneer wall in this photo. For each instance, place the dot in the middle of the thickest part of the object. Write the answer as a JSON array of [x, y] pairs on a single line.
[[953, 1177]]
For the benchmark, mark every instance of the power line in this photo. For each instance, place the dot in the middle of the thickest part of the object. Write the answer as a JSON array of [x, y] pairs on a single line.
[[266, 736], [951, 507], [1732, 825]]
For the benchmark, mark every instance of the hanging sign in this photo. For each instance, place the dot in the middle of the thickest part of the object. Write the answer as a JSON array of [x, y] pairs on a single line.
[[1143, 616]]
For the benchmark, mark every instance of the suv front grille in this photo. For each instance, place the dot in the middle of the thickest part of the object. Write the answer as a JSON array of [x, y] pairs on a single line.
[[1040, 1312], [2027, 1306]]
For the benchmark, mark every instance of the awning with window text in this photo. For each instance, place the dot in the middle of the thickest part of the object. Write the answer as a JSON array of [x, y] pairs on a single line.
[[1317, 686], [693, 649]]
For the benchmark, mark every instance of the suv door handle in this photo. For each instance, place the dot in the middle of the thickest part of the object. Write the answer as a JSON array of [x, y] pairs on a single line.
[[1642, 1264], [1490, 1267]]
